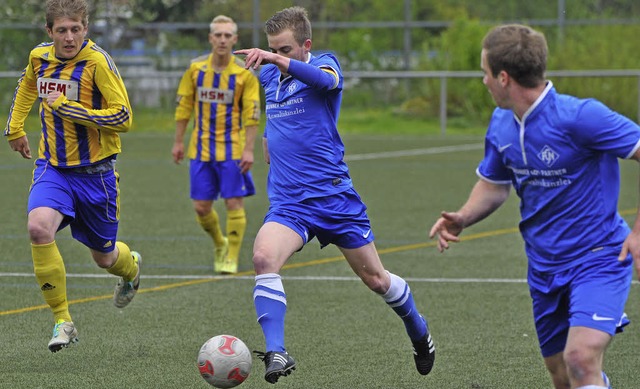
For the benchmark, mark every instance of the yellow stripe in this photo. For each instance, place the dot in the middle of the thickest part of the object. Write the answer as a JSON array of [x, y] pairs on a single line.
[[415, 246]]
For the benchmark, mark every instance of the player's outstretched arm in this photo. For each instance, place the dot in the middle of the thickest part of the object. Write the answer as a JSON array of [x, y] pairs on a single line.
[[255, 57], [484, 199]]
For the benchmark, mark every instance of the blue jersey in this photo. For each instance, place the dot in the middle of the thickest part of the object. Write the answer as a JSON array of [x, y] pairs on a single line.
[[562, 159], [306, 152]]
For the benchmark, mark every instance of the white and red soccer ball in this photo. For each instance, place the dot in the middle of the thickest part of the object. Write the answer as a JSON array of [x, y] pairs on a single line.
[[224, 361]]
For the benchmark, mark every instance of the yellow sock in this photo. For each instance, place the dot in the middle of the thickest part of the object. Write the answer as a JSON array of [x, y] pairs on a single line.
[[125, 266], [52, 278], [211, 225], [236, 225]]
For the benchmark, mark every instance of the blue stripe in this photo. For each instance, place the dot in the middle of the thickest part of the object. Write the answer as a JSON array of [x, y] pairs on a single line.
[[81, 131], [15, 92], [404, 294], [107, 57], [213, 113], [270, 291], [228, 125], [120, 117], [45, 136], [199, 118], [58, 124]]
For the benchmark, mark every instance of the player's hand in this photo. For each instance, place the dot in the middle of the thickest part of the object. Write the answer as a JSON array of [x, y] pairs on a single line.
[[246, 162], [631, 245], [447, 228], [256, 57], [52, 97], [178, 152], [21, 145]]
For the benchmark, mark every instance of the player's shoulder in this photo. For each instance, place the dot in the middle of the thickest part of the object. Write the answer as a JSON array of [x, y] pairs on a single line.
[[325, 59], [41, 50]]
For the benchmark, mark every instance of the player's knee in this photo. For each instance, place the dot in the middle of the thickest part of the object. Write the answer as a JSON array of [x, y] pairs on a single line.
[[39, 233], [580, 363], [376, 282], [261, 261]]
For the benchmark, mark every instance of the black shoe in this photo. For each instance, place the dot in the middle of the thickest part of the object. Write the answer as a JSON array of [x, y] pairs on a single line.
[[424, 353], [277, 364]]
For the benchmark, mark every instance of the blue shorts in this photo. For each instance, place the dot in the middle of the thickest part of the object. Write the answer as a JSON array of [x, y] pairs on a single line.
[[90, 203], [210, 180], [593, 295], [339, 219]]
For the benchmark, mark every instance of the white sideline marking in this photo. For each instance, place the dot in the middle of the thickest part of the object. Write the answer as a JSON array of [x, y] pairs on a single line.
[[407, 153], [296, 278]]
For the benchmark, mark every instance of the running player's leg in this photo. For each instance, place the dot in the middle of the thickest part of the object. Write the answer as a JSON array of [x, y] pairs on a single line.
[[204, 189], [50, 207], [273, 246]]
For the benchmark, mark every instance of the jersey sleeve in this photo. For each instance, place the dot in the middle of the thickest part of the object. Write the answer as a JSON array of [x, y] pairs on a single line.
[[184, 98], [322, 76], [599, 128], [251, 101], [116, 116], [492, 167], [24, 97]]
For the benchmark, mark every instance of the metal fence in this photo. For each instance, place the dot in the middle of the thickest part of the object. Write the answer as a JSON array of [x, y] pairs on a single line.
[[152, 89]]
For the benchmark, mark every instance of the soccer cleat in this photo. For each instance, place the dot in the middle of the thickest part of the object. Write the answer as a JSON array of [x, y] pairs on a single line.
[[424, 353], [220, 256], [277, 364], [229, 266], [126, 290], [64, 333]]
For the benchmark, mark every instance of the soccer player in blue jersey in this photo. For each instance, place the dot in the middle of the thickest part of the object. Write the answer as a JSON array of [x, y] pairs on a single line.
[[83, 107], [309, 187], [224, 99], [560, 153]]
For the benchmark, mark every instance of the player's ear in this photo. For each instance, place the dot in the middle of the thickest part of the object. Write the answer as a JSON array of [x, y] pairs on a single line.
[[307, 45]]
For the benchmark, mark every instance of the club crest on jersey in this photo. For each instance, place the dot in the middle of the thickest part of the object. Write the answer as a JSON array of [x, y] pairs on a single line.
[[292, 87], [68, 88], [215, 95], [548, 156]]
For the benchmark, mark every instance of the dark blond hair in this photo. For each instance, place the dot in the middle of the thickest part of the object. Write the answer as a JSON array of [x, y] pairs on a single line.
[[518, 50], [294, 19], [72, 9]]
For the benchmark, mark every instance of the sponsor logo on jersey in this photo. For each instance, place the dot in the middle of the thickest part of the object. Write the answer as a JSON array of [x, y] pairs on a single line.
[[215, 95], [548, 156], [68, 88]]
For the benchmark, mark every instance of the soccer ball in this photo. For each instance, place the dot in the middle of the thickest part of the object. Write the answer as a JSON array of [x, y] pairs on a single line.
[[224, 361]]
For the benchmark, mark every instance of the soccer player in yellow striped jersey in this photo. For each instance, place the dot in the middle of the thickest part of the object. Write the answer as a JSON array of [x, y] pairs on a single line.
[[83, 107], [224, 99]]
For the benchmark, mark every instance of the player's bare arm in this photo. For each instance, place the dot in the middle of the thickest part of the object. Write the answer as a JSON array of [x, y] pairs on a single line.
[[247, 158], [178, 145], [21, 145], [632, 242], [484, 199], [256, 57]]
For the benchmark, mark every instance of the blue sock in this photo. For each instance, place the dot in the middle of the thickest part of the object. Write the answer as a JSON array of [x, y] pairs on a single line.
[[271, 306], [400, 299]]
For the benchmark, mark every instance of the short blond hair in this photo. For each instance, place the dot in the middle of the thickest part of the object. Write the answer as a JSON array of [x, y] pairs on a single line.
[[220, 19]]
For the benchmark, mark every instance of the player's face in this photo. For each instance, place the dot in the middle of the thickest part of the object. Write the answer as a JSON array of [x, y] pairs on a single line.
[[285, 44], [68, 36], [493, 84], [222, 38]]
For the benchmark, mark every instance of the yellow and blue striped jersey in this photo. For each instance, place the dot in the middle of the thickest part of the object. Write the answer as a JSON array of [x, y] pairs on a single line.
[[82, 127], [223, 105]]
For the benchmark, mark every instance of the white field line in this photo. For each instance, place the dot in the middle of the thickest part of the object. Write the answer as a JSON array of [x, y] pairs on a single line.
[[412, 152], [295, 278]]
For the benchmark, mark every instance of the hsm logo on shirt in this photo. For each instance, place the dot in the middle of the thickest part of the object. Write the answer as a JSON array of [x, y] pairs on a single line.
[[68, 88], [215, 95]]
